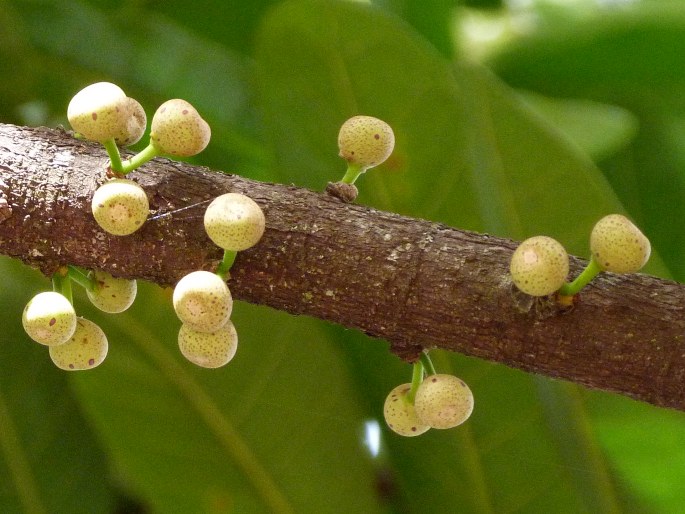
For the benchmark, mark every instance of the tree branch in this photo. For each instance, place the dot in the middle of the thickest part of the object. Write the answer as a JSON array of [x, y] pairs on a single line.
[[414, 283]]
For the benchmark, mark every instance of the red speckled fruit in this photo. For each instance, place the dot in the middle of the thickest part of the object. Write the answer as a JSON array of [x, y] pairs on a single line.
[[177, 129], [618, 245], [234, 222], [49, 318], [400, 415], [208, 349], [365, 141], [539, 266], [120, 206], [203, 301], [86, 349], [443, 401]]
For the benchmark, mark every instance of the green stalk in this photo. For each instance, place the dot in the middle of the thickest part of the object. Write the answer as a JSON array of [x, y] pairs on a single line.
[[416, 379], [352, 173], [226, 263], [146, 154], [81, 278], [590, 272], [427, 363], [62, 284], [114, 155]]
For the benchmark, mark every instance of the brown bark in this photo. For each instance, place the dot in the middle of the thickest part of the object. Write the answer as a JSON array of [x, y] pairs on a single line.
[[414, 283]]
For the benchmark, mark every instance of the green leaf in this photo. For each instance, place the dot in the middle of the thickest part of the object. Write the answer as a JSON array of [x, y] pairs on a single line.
[[147, 52], [507, 457], [49, 458], [497, 167], [630, 57], [654, 471], [599, 130], [431, 18], [253, 436], [612, 53], [232, 24], [650, 177], [471, 154], [280, 427]]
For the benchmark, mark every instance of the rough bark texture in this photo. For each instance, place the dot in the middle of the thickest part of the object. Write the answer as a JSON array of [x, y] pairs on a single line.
[[414, 283]]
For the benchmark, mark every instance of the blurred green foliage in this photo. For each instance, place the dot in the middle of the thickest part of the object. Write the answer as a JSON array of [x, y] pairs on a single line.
[[536, 118]]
